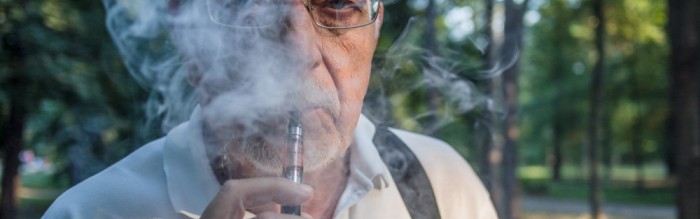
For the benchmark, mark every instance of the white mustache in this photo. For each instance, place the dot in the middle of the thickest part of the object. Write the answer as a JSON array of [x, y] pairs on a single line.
[[251, 108], [310, 95]]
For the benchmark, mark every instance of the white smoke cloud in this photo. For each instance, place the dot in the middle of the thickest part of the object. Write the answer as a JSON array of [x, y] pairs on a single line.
[[249, 73], [236, 66], [454, 81]]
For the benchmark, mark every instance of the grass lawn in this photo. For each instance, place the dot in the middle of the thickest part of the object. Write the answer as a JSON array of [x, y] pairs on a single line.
[[611, 193], [33, 208], [39, 189], [43, 180], [619, 189]]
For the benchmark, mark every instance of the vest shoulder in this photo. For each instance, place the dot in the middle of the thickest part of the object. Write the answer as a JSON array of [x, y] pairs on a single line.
[[431, 151], [458, 190], [133, 183]]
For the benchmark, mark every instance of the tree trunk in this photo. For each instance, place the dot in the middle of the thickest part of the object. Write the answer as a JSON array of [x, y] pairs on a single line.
[[684, 34], [12, 142], [511, 207], [512, 46], [607, 147], [638, 155], [432, 49], [557, 141], [558, 72], [637, 151], [670, 146], [596, 106], [488, 32], [484, 136], [12, 138], [558, 118]]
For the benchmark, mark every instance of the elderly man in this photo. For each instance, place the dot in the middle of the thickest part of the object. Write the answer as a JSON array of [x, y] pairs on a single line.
[[226, 161]]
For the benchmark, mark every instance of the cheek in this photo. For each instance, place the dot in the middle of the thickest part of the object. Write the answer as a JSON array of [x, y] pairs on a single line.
[[348, 58], [355, 87], [353, 65], [352, 87]]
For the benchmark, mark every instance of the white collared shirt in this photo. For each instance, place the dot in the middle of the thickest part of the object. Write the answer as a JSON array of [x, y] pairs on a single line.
[[171, 178]]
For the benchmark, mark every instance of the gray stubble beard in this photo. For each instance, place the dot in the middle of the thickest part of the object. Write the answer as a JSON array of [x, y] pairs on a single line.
[[270, 158]]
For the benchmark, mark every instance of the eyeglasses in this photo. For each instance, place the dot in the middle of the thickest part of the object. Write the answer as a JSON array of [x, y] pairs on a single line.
[[329, 14]]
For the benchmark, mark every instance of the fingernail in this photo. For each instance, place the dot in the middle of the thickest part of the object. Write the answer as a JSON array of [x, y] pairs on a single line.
[[307, 188], [305, 215]]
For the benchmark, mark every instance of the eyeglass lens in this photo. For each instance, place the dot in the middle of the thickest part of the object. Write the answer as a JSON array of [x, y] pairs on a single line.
[[325, 13]]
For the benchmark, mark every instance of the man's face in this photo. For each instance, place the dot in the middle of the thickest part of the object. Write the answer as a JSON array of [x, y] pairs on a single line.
[[328, 90]]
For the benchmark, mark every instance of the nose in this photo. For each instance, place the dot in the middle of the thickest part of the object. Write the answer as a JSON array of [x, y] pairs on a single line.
[[301, 34]]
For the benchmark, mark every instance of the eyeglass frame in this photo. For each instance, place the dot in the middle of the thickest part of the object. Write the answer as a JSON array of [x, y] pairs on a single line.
[[308, 9]]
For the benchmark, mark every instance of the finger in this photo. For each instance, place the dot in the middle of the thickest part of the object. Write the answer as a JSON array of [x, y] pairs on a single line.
[[224, 206], [256, 192]]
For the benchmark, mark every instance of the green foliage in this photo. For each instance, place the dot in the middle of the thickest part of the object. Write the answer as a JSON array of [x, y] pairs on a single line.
[[85, 111], [558, 60], [83, 108], [447, 106]]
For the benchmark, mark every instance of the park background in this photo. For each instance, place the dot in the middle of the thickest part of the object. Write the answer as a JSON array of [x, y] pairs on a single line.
[[563, 107]]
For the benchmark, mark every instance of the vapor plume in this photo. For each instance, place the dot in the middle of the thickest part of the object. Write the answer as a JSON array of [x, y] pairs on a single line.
[[247, 69], [165, 44], [455, 82]]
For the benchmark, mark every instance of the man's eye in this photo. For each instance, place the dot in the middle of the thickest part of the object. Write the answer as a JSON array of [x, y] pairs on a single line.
[[339, 4]]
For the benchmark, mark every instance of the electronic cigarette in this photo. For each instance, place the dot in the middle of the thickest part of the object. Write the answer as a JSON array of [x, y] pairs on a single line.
[[294, 161]]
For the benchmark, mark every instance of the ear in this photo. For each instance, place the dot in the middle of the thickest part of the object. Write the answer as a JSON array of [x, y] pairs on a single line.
[[380, 20]]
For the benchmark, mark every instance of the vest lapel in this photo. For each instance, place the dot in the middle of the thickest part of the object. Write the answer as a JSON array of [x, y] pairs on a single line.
[[381, 203]]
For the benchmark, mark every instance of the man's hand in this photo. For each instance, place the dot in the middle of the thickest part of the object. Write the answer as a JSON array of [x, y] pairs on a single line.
[[262, 194]]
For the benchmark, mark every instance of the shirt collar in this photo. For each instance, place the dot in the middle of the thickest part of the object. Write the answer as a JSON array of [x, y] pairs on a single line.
[[367, 170], [365, 159], [190, 179], [192, 184]]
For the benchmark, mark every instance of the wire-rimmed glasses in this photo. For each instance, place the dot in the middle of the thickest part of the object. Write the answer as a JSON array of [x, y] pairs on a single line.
[[329, 14]]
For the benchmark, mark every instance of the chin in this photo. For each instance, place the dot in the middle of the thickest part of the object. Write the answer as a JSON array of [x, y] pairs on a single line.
[[319, 154]]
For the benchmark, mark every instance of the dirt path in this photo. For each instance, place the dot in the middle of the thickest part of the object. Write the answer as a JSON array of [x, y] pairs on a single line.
[[540, 207]]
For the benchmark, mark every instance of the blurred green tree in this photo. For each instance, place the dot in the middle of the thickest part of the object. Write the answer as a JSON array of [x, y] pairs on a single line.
[[683, 32], [554, 103], [64, 91]]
